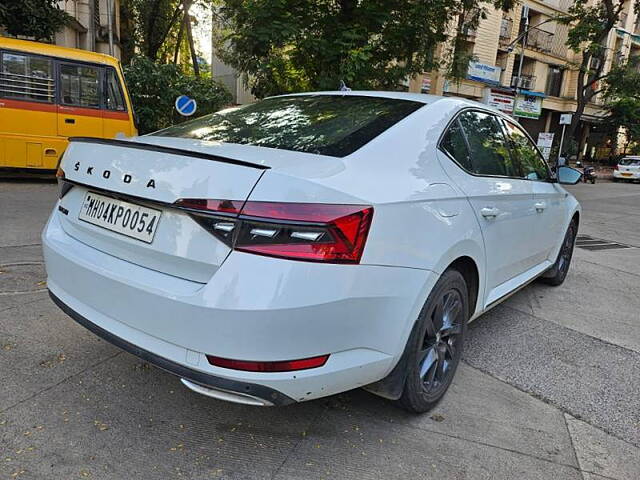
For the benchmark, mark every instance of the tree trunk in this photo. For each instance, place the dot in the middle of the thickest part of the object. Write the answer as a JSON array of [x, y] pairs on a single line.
[[194, 57], [151, 46], [179, 39]]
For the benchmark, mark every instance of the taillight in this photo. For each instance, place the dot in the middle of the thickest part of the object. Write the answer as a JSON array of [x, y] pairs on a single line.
[[304, 231], [281, 366], [615, 167], [63, 185]]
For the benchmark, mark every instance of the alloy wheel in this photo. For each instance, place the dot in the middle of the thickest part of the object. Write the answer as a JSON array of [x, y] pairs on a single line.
[[566, 250], [439, 351]]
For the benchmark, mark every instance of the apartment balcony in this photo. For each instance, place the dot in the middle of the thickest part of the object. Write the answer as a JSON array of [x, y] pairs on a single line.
[[506, 27], [525, 82], [539, 40]]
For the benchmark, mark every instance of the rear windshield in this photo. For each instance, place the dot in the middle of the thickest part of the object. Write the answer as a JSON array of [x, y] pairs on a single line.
[[630, 161], [333, 125]]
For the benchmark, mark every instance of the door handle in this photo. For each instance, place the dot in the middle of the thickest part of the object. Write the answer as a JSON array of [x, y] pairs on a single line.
[[489, 212], [540, 206], [69, 120]]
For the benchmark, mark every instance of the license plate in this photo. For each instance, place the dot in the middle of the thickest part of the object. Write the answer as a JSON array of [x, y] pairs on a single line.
[[625, 174], [125, 218]]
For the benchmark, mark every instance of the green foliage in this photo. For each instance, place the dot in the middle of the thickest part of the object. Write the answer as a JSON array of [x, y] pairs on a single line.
[[153, 22], [298, 45], [590, 24], [622, 100], [39, 19], [151, 27], [155, 87]]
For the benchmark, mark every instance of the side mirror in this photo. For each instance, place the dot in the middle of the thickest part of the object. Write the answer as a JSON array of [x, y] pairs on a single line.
[[568, 175]]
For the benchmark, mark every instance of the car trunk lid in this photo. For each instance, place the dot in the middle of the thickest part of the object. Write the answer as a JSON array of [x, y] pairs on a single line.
[[153, 177]]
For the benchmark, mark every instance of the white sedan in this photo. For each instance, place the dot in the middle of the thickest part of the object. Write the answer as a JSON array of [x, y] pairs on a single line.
[[308, 244], [628, 168]]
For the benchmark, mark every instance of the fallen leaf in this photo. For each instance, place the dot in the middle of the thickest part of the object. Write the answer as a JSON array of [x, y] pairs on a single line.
[[436, 417]]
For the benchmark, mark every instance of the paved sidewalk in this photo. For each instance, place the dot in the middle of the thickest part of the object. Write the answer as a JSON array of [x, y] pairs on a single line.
[[548, 388]]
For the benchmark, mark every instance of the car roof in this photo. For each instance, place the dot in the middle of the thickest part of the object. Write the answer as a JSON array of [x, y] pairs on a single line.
[[415, 97]]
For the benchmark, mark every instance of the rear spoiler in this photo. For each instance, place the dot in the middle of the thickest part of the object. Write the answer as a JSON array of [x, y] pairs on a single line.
[[167, 150]]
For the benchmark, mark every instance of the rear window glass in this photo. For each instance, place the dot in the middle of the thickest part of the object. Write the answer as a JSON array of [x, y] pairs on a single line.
[[323, 124], [630, 162]]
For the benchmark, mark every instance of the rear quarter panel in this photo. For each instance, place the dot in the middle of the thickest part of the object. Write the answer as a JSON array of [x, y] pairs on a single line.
[[421, 219]]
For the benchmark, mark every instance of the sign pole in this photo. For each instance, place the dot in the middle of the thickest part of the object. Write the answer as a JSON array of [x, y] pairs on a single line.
[[565, 119], [564, 127]]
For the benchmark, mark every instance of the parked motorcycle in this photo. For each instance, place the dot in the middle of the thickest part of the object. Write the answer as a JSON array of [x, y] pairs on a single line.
[[589, 175]]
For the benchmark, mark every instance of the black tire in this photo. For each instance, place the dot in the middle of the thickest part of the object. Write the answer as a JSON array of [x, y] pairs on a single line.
[[614, 179], [435, 345], [558, 272]]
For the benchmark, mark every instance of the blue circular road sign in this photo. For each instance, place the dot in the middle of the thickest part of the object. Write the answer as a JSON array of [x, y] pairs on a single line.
[[186, 106]]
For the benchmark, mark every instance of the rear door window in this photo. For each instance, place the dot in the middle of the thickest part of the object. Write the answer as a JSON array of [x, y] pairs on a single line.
[[532, 164], [27, 77], [80, 85], [455, 145], [488, 147], [335, 125]]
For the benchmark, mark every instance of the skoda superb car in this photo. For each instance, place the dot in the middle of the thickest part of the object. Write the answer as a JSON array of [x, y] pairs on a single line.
[[309, 244]]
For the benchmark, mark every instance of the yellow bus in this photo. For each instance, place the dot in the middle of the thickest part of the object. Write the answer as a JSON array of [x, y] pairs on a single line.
[[50, 93]]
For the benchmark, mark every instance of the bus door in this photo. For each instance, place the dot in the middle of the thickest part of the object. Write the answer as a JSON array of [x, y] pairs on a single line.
[[79, 109], [116, 118]]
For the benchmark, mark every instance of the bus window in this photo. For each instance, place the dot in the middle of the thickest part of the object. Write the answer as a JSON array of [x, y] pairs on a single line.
[[115, 97], [27, 77], [80, 85]]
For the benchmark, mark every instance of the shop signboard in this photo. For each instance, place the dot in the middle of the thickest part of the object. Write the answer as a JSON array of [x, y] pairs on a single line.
[[545, 141], [481, 72], [528, 106], [499, 99]]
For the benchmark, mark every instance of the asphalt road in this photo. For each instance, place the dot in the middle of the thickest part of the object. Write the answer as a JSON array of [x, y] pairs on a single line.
[[549, 387]]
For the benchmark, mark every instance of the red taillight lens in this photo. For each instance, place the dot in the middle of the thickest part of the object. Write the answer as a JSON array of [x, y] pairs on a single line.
[[63, 185], [304, 231], [225, 206], [615, 167], [283, 366]]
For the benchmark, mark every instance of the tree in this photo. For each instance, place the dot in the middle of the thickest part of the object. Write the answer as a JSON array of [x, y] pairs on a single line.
[[156, 28], [297, 45], [155, 87], [622, 102], [40, 19], [590, 24]]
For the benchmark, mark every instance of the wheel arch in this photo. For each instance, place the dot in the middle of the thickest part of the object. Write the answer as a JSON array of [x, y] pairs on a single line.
[[468, 257], [467, 263], [469, 270]]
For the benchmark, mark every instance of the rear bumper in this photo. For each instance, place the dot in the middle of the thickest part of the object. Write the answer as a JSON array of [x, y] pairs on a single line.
[[629, 176], [268, 395], [253, 308]]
